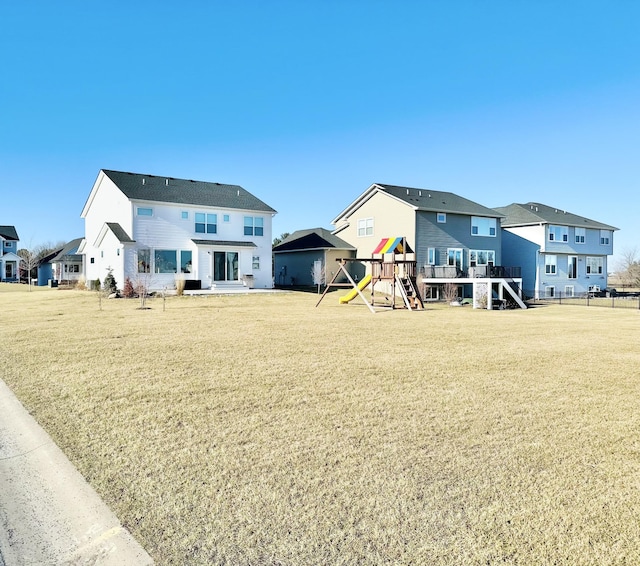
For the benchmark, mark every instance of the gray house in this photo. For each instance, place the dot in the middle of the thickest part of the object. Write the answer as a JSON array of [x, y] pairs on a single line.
[[305, 251], [457, 242], [560, 253]]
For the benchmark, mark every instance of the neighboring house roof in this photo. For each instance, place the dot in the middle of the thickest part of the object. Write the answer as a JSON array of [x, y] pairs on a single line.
[[68, 252], [314, 238], [224, 243], [137, 186], [8, 233], [422, 200], [532, 213]]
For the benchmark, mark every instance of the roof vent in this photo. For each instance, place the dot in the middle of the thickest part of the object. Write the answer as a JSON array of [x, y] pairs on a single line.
[[166, 182], [238, 192], [407, 191], [143, 180], [419, 193]]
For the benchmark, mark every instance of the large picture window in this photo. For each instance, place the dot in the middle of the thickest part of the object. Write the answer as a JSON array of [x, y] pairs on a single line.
[[482, 257], [481, 226], [166, 261]]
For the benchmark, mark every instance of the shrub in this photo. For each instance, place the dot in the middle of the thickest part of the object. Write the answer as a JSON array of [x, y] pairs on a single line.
[[180, 283], [96, 284], [128, 291], [110, 286], [81, 284]]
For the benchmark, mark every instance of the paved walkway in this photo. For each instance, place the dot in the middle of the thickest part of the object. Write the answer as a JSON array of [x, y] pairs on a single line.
[[49, 515]]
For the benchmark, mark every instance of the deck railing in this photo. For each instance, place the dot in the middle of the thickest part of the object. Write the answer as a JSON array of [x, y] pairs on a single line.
[[487, 271]]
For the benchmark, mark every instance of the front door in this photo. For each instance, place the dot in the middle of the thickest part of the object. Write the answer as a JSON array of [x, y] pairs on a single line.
[[225, 266], [8, 270]]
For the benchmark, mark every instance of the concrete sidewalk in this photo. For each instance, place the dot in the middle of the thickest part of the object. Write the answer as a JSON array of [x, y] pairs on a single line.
[[49, 515]]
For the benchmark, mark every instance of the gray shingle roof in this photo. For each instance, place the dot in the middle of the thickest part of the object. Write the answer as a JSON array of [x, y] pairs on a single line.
[[314, 238], [119, 232], [438, 201], [532, 213], [69, 249], [137, 186], [9, 233]]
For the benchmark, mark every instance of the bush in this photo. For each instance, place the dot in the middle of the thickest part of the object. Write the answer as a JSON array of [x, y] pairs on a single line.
[[128, 291], [110, 286], [96, 284]]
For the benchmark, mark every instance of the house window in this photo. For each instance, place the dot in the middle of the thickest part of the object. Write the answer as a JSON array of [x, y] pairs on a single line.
[[184, 215], [572, 267], [581, 234], [365, 227], [605, 237], [118, 251], [482, 226], [165, 261], [206, 223], [550, 292], [482, 257], [558, 233], [569, 291], [145, 211], [595, 265], [8, 244], [225, 218], [253, 226], [185, 261], [255, 262], [441, 217], [431, 256], [144, 261], [92, 260], [550, 264]]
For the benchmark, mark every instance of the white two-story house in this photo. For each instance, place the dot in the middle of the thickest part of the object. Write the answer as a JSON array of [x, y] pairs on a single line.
[[154, 230], [560, 253]]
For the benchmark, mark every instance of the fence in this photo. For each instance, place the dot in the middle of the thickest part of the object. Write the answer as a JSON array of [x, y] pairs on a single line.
[[621, 301]]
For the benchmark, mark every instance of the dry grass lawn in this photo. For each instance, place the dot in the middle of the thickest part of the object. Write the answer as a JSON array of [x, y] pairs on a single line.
[[259, 430]]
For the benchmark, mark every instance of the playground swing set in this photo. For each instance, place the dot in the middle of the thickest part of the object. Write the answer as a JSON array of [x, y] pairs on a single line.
[[389, 269]]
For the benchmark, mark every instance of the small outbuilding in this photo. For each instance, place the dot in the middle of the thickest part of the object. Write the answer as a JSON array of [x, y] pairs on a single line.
[[308, 257]]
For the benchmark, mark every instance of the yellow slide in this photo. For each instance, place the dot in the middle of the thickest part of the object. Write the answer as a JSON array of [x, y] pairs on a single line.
[[351, 294]]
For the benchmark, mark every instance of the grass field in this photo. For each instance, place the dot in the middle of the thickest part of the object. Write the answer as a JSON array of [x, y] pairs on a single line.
[[259, 430]]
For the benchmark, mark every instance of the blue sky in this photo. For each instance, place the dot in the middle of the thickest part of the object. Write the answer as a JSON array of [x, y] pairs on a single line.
[[307, 103]]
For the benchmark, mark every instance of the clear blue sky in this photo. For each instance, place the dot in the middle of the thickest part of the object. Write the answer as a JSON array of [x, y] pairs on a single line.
[[306, 103]]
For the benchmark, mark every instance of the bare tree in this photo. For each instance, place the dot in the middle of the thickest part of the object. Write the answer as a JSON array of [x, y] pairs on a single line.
[[30, 258], [629, 268], [279, 239]]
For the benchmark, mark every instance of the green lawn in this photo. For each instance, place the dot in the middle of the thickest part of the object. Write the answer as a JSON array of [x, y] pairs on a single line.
[[261, 430]]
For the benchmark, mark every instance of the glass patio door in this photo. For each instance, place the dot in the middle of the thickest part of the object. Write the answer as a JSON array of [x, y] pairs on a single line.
[[225, 266], [454, 258]]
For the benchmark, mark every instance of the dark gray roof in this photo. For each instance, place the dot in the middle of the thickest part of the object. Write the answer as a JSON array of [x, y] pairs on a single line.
[[438, 201], [9, 233], [119, 232], [69, 249], [136, 186], [532, 213], [314, 238], [224, 243]]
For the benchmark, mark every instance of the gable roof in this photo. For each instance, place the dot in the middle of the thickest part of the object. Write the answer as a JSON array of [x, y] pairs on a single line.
[[313, 238], [8, 233], [68, 250], [136, 186], [421, 200], [117, 230], [532, 213]]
